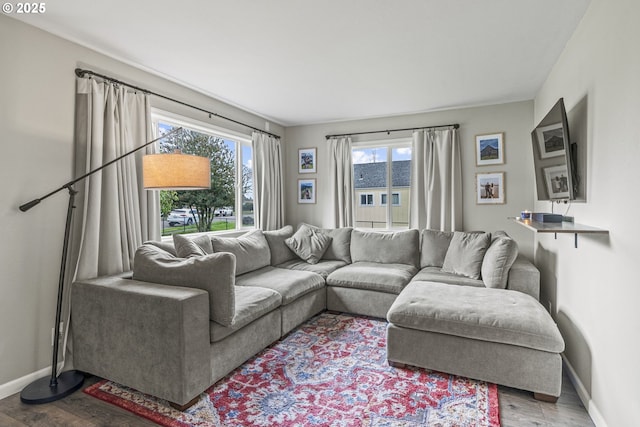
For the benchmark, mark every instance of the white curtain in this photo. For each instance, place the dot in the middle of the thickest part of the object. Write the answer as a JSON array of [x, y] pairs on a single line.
[[341, 175], [115, 214], [436, 180], [267, 181]]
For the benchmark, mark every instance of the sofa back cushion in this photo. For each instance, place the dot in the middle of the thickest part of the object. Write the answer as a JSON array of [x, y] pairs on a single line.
[[280, 252], [498, 260], [465, 254], [434, 245], [400, 247], [251, 250], [214, 273]]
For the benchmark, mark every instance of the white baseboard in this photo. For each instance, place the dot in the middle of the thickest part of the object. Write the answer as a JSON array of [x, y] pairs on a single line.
[[592, 409], [13, 387]]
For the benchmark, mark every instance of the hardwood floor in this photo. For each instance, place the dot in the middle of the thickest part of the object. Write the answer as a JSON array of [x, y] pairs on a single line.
[[517, 409]]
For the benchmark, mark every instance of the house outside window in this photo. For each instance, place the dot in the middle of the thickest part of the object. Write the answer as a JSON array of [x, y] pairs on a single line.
[[226, 206], [377, 178]]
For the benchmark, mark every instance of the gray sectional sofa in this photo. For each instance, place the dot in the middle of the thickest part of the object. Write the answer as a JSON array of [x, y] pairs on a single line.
[[192, 311]]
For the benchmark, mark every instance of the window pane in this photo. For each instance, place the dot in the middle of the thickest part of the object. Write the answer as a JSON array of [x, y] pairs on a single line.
[[248, 218], [370, 178], [200, 210], [401, 181], [383, 199]]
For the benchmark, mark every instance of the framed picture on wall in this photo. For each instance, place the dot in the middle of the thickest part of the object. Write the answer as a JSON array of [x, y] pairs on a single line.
[[490, 149], [550, 140], [307, 160], [557, 180], [490, 188], [306, 191]]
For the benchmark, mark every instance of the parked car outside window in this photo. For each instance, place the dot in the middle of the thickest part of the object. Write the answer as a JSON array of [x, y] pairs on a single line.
[[184, 216], [223, 212]]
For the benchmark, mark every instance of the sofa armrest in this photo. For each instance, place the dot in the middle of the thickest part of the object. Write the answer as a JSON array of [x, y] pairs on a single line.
[[148, 336], [524, 277]]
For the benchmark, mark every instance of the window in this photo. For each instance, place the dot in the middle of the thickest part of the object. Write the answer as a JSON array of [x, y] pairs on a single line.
[[375, 175], [227, 205], [395, 199], [366, 199]]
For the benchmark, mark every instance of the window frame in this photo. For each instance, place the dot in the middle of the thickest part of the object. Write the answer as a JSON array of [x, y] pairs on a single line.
[[367, 205], [390, 144], [240, 139]]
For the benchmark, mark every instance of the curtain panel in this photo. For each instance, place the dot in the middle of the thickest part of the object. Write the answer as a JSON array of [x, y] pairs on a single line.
[[341, 175], [436, 180], [115, 215], [267, 181]]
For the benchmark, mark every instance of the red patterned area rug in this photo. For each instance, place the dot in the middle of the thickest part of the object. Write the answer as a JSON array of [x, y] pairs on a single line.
[[332, 371]]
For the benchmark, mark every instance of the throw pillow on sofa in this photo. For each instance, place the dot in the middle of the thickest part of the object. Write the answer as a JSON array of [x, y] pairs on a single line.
[[309, 243], [340, 247], [251, 250], [498, 260], [190, 246], [214, 273], [465, 254]]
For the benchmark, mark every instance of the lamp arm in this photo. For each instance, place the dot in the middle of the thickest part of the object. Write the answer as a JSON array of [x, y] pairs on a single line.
[[25, 207]]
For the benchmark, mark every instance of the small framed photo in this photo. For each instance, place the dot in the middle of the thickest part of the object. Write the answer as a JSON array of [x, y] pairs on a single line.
[[557, 180], [306, 191], [550, 140], [490, 188], [307, 160], [490, 149]]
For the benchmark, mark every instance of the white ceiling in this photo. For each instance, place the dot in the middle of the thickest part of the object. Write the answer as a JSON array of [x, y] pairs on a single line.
[[301, 61]]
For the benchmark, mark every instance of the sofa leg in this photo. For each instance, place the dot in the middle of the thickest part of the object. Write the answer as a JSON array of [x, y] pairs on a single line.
[[545, 397], [396, 364], [186, 406]]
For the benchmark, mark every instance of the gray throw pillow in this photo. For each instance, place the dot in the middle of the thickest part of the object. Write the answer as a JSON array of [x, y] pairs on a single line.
[[189, 246], [309, 243], [340, 247], [166, 246], [214, 273], [465, 254], [251, 250], [434, 247], [280, 252], [498, 260]]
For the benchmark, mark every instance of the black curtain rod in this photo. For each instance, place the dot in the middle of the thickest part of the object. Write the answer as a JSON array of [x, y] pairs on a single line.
[[81, 73], [455, 126]]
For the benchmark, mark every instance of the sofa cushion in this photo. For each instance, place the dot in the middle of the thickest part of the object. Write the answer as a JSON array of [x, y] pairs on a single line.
[[251, 250], [251, 304], [435, 274], [433, 247], [400, 247], [165, 246], [188, 246], [340, 247], [465, 254], [494, 315], [290, 284], [309, 243], [214, 273], [280, 252], [323, 267], [498, 260], [389, 278]]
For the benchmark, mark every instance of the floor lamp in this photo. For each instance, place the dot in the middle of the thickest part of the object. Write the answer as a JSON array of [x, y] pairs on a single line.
[[175, 171]]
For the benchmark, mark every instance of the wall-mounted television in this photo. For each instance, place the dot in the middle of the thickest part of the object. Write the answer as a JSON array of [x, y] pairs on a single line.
[[554, 157]]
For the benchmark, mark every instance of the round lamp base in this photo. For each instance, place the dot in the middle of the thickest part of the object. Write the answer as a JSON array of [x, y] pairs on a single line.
[[41, 391]]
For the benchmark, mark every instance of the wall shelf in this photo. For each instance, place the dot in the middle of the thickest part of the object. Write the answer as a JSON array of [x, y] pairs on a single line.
[[560, 227]]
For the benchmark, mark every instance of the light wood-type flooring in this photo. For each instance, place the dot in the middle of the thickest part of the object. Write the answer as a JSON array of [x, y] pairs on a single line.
[[517, 409]]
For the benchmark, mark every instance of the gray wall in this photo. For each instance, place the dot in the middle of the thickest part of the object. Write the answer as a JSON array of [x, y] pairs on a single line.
[[37, 86], [594, 288], [514, 119]]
